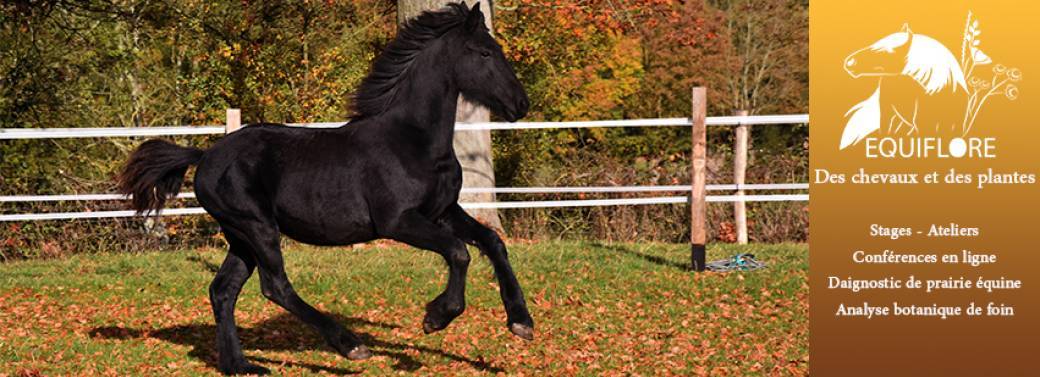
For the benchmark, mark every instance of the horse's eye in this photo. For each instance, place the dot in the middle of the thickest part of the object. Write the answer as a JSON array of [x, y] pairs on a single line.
[[485, 53]]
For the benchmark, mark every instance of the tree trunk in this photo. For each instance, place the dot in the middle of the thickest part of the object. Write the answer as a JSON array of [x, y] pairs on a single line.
[[473, 148]]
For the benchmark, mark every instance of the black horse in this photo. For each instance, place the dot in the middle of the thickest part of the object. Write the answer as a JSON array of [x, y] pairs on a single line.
[[391, 173]]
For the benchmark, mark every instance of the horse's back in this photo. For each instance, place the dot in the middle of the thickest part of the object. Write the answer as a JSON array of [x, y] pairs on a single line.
[[298, 178]]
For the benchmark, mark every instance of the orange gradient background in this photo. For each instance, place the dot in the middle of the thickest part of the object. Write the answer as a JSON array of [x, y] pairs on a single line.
[[1006, 215]]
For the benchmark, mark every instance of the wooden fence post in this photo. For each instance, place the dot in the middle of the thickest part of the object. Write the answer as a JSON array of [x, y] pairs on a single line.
[[740, 157], [698, 207], [234, 121]]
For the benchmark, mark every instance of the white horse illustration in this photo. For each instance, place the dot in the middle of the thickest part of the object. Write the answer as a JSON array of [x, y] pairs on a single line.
[[918, 57]]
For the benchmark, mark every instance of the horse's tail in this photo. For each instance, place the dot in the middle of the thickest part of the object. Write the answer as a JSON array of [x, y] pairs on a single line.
[[155, 172]]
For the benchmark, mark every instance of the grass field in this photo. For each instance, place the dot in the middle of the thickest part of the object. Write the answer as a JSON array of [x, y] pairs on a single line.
[[614, 309]]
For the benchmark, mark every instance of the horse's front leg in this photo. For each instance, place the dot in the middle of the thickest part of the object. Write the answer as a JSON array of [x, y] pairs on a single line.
[[469, 229], [415, 229]]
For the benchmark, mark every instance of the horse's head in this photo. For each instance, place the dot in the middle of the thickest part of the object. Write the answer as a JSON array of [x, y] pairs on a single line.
[[481, 71], [438, 50], [886, 57]]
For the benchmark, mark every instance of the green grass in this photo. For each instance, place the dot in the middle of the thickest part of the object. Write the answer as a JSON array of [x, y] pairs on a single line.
[[598, 308]]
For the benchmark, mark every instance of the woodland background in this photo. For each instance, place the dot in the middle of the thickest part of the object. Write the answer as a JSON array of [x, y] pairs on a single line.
[[141, 63]]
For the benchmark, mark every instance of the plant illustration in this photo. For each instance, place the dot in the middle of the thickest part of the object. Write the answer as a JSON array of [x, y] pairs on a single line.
[[980, 89]]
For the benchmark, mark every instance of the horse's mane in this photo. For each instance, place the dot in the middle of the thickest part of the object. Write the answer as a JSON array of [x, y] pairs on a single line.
[[933, 65], [927, 61], [378, 89]]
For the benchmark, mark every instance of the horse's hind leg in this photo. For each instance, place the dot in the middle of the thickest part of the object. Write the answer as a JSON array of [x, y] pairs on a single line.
[[274, 284], [223, 293], [416, 230], [465, 227]]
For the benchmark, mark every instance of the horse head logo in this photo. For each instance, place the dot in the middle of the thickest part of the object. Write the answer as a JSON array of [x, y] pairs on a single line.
[[904, 53], [918, 56]]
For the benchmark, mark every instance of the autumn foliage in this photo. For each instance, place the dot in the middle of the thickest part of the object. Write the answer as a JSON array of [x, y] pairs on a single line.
[[183, 62]]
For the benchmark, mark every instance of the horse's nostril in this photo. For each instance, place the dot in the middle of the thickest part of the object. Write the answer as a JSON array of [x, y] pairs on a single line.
[[850, 62]]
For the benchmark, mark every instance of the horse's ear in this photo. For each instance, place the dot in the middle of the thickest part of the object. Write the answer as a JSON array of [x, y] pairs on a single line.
[[906, 28], [475, 18]]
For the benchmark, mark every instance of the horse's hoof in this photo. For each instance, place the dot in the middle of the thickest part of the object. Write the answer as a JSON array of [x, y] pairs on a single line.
[[525, 332], [245, 368], [359, 353], [429, 328]]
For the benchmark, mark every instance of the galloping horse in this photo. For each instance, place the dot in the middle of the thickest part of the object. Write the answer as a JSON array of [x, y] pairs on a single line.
[[391, 173], [915, 69]]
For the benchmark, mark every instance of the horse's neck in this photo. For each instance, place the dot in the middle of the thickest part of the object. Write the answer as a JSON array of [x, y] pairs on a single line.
[[425, 113]]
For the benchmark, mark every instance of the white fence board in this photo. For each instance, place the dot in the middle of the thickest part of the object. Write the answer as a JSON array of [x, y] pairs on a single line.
[[481, 190], [498, 205], [57, 133]]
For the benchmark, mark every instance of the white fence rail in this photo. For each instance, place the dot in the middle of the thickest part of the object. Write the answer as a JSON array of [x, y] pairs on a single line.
[[61, 133], [467, 190], [497, 205]]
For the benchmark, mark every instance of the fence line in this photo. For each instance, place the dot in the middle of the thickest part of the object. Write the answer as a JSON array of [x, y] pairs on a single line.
[[58, 133], [96, 214], [623, 189], [697, 190], [465, 190], [698, 177], [74, 197], [741, 134], [496, 205]]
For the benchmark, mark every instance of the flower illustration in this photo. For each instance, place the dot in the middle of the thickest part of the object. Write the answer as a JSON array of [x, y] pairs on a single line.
[[982, 88], [979, 57], [1014, 74], [1011, 92]]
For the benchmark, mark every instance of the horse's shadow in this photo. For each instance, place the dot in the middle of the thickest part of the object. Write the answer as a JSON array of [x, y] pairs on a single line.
[[284, 333], [647, 257]]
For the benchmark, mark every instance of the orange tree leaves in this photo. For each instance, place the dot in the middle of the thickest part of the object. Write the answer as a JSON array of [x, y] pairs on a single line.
[[608, 59]]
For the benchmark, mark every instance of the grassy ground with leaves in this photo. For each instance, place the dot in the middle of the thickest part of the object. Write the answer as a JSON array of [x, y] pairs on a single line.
[[599, 309]]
